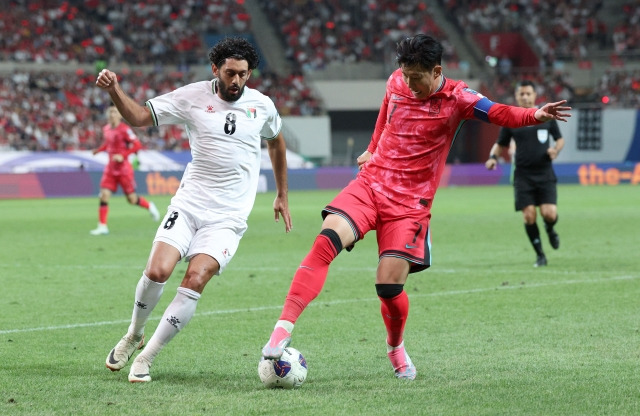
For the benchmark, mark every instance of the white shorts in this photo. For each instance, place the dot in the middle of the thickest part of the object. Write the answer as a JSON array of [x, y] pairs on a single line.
[[217, 235]]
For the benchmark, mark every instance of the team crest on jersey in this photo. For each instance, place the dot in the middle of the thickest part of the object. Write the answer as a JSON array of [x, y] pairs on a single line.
[[434, 106], [209, 109], [474, 92], [251, 112]]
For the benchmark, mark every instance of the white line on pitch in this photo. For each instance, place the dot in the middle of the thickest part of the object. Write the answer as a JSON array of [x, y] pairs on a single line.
[[332, 302]]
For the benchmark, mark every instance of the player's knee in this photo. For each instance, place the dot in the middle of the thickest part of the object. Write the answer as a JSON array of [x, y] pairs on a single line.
[[387, 291], [529, 217], [158, 273], [198, 279], [549, 214], [333, 237], [551, 219]]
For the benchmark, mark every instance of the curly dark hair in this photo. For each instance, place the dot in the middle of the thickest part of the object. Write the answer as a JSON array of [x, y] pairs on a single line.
[[420, 50], [234, 47]]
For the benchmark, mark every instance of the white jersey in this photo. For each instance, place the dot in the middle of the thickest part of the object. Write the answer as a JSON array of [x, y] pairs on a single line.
[[225, 141]]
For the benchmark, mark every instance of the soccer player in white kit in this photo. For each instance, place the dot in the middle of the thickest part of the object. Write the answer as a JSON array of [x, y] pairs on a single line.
[[225, 122]]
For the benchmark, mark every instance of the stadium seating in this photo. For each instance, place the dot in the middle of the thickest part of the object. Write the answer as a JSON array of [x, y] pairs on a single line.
[[141, 32], [317, 33], [46, 109]]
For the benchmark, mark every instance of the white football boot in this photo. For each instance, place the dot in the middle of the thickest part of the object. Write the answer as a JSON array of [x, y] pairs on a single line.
[[102, 229], [123, 351], [139, 372], [154, 211]]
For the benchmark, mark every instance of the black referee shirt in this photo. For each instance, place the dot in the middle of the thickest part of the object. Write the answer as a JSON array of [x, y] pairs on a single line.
[[532, 143]]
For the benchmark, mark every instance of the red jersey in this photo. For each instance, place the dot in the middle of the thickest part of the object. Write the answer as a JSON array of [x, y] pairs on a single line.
[[119, 140], [412, 137]]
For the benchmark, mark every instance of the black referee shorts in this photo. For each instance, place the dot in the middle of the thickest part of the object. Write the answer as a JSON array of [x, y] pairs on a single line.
[[535, 189]]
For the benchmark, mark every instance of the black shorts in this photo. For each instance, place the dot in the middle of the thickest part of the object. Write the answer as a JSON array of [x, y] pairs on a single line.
[[535, 189]]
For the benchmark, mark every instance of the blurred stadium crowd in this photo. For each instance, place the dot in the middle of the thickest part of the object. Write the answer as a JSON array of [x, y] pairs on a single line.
[[50, 103], [318, 32]]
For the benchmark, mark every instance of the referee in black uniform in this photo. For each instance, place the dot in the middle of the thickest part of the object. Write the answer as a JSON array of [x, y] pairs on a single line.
[[534, 180]]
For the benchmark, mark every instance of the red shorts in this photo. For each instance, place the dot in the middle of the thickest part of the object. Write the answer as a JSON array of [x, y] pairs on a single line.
[[111, 182], [401, 231]]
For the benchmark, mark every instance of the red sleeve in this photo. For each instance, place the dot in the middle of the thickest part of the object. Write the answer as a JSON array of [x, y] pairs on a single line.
[[135, 145], [380, 123], [102, 147], [512, 117]]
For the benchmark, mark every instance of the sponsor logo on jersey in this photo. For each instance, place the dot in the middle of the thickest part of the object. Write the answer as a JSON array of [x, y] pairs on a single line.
[[251, 112], [209, 109], [395, 97]]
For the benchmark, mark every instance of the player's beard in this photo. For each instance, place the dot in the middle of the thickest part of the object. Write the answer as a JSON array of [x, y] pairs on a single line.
[[228, 95]]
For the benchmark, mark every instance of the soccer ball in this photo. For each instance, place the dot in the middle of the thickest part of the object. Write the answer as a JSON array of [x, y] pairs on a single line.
[[287, 372]]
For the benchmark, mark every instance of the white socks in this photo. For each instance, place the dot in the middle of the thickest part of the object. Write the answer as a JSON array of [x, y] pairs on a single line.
[[148, 294], [177, 316], [288, 326]]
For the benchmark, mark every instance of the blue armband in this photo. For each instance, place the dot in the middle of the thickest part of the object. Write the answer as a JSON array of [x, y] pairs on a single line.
[[481, 109]]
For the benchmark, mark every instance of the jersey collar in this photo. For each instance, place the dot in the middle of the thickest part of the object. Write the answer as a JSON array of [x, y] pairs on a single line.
[[441, 86]]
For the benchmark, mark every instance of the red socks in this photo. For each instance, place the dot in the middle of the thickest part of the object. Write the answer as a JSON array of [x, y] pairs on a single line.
[[309, 278], [394, 314], [143, 202], [103, 213]]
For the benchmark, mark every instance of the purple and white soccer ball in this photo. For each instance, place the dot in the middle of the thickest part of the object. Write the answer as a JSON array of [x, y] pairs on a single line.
[[288, 372]]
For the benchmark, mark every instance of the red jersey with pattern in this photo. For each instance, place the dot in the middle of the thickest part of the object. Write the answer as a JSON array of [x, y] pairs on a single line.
[[412, 137], [119, 140]]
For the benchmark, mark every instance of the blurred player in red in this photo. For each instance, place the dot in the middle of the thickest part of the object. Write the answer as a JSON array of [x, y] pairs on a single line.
[[119, 142], [393, 192]]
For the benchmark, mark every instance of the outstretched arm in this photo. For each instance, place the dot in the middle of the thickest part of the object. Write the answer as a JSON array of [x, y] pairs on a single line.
[[514, 117], [553, 111], [277, 149], [101, 148], [135, 114]]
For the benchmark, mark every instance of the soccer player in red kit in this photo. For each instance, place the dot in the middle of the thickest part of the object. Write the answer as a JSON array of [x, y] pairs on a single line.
[[394, 190], [119, 142]]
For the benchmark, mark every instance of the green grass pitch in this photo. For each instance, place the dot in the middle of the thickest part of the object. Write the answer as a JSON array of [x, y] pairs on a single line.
[[489, 334]]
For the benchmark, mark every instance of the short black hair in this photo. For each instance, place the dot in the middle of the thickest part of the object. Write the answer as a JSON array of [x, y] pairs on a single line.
[[236, 48], [526, 83], [420, 50]]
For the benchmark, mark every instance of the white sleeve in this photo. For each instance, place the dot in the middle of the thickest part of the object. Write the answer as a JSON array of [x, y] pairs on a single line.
[[168, 108], [273, 123]]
